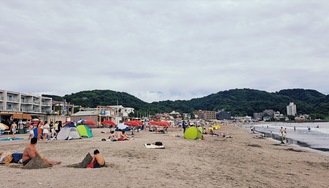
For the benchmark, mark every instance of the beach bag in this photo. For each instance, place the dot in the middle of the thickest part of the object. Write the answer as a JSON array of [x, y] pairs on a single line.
[[90, 166], [158, 143]]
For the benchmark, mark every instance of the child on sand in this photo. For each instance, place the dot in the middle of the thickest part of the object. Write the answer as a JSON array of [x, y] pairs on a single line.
[[98, 160]]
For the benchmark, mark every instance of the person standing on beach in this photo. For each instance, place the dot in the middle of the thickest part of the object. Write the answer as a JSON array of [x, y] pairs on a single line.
[[14, 128], [282, 131], [45, 131], [284, 136], [184, 126]]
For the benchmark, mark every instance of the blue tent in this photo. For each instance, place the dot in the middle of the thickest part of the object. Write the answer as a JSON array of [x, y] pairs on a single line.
[[69, 125]]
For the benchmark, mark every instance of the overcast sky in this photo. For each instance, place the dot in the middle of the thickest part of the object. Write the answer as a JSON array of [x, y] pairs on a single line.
[[163, 50]]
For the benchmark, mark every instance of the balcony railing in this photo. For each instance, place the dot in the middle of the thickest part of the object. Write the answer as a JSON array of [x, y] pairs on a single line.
[[36, 102], [12, 100], [12, 109], [26, 101]]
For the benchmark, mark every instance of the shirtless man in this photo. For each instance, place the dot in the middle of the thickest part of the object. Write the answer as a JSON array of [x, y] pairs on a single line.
[[31, 151], [98, 160]]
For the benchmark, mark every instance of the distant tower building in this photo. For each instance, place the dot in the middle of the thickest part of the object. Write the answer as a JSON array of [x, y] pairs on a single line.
[[291, 109]]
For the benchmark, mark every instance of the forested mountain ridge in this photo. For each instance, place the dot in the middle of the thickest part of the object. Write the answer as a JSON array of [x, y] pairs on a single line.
[[236, 101]]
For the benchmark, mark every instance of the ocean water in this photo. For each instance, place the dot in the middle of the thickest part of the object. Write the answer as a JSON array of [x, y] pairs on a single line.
[[315, 138]]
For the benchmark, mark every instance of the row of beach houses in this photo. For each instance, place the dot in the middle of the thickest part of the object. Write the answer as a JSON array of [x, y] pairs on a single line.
[[22, 107]]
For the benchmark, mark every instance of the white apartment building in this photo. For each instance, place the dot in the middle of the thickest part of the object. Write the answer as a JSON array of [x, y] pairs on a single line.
[[21, 105], [291, 109]]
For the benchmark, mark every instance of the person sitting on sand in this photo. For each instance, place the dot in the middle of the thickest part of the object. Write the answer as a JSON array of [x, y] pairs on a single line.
[[31, 151], [98, 160], [122, 136], [211, 132], [113, 136]]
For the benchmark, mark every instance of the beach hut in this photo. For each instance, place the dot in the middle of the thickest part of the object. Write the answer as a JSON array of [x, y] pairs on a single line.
[[192, 133], [84, 131]]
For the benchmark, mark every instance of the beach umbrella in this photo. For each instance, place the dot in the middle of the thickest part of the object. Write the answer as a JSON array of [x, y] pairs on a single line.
[[108, 122], [164, 124], [122, 126], [153, 123], [3, 126], [160, 123], [88, 122], [80, 121], [139, 122], [132, 123]]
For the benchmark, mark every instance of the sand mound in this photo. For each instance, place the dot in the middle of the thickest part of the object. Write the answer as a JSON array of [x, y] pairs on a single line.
[[36, 163], [87, 160]]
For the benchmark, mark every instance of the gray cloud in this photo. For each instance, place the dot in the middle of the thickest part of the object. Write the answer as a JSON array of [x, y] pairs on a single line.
[[163, 50]]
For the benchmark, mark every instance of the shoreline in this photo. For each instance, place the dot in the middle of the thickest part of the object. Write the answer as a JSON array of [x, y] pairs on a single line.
[[295, 143], [296, 139]]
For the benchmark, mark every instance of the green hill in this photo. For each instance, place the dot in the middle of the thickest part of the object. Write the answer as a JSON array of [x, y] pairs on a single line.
[[239, 102]]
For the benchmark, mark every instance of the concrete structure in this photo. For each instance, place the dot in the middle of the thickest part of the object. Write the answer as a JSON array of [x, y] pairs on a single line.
[[16, 105], [122, 113], [206, 115], [115, 113], [291, 109], [223, 115]]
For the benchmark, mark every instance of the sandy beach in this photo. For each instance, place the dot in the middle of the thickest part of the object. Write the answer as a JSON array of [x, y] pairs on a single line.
[[241, 161]]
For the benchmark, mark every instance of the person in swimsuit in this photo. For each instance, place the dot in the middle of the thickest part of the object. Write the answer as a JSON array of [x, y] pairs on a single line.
[[122, 136], [13, 128], [31, 151], [98, 160]]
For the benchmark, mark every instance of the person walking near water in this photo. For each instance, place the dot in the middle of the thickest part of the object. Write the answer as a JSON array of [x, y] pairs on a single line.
[[282, 135]]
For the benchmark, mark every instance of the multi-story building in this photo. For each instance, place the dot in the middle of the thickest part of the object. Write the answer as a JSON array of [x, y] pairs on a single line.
[[291, 109], [223, 115], [18, 105], [206, 115]]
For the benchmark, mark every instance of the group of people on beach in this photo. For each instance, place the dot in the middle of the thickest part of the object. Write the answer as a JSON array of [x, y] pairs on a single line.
[[30, 152], [46, 131], [118, 136]]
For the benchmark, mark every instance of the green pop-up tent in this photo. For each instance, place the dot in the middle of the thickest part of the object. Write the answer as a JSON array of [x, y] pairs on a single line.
[[84, 131], [192, 133]]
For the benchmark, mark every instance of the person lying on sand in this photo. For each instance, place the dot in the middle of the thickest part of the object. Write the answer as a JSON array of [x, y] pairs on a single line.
[[98, 160], [31, 151]]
